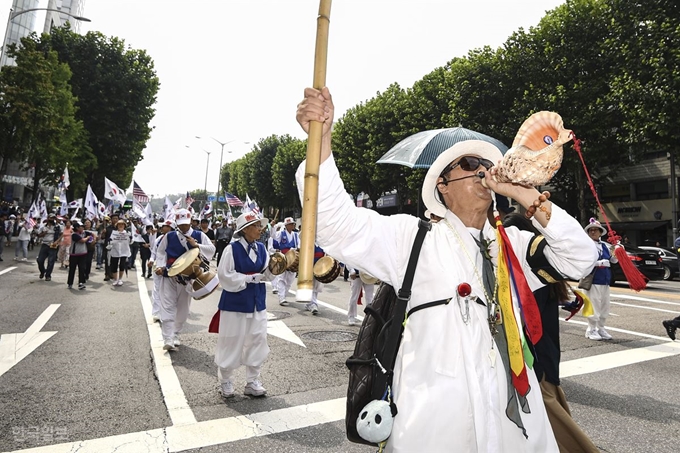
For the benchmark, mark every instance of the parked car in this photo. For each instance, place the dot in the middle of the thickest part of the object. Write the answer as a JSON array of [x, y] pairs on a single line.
[[669, 261], [648, 263]]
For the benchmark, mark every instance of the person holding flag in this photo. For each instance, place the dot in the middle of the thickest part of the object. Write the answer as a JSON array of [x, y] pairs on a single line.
[[50, 235]]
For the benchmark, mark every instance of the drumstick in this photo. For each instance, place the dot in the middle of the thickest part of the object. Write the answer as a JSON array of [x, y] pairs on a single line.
[[311, 192]]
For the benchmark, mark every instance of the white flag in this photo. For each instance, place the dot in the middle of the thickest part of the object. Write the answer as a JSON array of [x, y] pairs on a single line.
[[43, 210], [206, 212], [76, 204], [113, 192], [149, 214], [168, 210], [101, 210], [34, 211], [63, 210], [91, 204]]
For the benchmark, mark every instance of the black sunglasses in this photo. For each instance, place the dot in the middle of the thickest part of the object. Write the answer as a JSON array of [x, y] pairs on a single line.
[[468, 163]]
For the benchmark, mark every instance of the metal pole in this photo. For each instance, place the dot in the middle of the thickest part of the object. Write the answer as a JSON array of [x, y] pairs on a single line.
[[219, 173], [207, 165], [674, 200]]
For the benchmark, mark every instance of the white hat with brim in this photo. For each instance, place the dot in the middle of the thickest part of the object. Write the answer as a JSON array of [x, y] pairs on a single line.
[[477, 148], [247, 219], [595, 224], [289, 221]]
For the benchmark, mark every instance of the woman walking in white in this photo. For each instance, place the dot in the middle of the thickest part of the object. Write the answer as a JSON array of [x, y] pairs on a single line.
[[119, 252], [22, 241], [599, 292]]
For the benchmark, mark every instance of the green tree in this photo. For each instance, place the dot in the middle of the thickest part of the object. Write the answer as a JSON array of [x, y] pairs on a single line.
[[363, 135], [38, 126], [286, 162], [116, 87]]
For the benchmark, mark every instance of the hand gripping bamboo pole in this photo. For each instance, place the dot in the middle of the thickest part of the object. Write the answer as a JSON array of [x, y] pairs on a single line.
[[311, 193]]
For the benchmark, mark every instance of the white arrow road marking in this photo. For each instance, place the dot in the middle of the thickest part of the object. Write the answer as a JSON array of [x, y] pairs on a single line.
[[281, 330], [14, 347], [9, 269]]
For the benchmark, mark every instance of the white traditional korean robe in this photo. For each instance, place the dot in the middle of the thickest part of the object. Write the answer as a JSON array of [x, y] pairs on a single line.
[[449, 385]]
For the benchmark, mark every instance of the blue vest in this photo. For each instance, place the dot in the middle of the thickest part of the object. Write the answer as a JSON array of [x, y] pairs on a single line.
[[285, 245], [254, 296], [603, 275], [175, 249]]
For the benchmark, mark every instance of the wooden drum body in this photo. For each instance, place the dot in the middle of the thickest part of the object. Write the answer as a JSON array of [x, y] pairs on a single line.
[[326, 269]]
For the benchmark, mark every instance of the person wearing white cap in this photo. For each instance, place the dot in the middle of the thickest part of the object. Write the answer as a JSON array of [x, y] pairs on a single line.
[[174, 297], [599, 291], [166, 227], [452, 385], [287, 238], [242, 315]]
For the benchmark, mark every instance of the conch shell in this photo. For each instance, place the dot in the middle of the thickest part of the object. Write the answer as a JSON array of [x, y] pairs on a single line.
[[536, 152]]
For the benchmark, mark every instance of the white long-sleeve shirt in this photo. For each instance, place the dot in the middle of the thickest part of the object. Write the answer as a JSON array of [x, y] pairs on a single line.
[[449, 382]]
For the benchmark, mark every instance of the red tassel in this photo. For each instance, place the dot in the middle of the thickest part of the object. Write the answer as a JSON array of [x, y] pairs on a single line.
[[361, 291], [214, 326], [636, 280]]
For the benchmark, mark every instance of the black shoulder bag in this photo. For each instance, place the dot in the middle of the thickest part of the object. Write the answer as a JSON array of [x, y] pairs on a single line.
[[371, 365]]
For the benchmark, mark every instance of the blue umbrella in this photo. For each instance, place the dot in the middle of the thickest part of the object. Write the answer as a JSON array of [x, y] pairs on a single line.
[[420, 150]]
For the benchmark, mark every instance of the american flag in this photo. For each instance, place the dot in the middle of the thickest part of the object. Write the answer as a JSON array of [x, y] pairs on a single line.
[[138, 194], [232, 200], [188, 200], [30, 223]]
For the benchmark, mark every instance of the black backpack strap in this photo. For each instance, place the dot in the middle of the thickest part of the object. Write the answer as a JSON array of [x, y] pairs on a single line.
[[403, 296]]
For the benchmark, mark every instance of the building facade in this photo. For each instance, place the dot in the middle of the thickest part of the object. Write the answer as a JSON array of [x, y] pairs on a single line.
[[55, 19], [639, 201]]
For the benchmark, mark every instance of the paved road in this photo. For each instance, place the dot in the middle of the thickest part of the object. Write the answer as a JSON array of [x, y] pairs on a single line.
[[87, 373]]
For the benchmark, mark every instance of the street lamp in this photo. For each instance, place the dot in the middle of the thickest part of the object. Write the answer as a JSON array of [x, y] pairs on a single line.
[[207, 165], [13, 15], [219, 174]]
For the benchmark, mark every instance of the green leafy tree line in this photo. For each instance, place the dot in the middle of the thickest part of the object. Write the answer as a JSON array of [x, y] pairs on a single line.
[[82, 100], [610, 68]]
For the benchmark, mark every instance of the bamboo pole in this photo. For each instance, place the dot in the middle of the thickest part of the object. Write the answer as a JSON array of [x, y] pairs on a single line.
[[310, 195]]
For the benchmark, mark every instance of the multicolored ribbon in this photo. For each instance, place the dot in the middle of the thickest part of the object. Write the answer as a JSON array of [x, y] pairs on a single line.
[[510, 275]]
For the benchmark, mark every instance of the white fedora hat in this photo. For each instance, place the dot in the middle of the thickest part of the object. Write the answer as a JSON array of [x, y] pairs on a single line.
[[477, 148], [248, 219]]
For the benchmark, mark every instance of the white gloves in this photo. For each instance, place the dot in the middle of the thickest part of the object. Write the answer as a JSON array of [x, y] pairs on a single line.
[[602, 263], [255, 278]]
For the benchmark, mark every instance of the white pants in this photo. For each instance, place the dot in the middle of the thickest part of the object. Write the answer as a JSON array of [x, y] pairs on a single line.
[[285, 281], [156, 296], [242, 340], [599, 296], [275, 282], [355, 287], [174, 307]]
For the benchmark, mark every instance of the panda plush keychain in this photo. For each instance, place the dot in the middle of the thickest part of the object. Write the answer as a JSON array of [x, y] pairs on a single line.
[[375, 422]]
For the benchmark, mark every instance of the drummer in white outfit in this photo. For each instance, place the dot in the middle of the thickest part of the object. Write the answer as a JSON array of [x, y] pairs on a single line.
[[356, 284], [242, 334], [166, 227], [175, 298], [287, 239], [450, 385]]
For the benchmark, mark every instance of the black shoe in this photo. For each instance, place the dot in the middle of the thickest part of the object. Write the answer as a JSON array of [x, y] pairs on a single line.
[[670, 329], [48, 279], [106, 279], [42, 275]]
